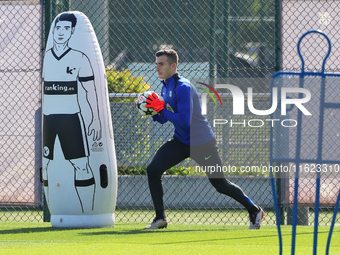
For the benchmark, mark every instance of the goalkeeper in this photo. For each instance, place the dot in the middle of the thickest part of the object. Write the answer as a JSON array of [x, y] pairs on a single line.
[[193, 138]]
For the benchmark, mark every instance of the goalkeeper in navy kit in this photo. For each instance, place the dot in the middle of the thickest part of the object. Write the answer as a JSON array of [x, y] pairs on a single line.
[[193, 138]]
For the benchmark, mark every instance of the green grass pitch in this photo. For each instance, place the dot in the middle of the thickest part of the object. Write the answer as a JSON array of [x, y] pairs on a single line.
[[41, 238]]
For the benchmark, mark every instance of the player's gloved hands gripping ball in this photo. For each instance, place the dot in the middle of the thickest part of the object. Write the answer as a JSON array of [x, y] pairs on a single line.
[[154, 103]]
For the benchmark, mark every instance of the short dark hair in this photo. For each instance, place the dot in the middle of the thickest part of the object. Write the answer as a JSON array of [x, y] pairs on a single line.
[[67, 17], [170, 53]]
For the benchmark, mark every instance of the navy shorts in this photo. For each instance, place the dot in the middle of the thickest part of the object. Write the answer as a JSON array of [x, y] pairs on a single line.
[[70, 129]]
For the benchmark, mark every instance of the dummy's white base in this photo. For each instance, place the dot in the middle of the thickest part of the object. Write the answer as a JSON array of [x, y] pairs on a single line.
[[83, 221]]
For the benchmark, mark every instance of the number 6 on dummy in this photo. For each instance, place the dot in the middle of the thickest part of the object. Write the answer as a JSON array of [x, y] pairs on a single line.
[[79, 162]]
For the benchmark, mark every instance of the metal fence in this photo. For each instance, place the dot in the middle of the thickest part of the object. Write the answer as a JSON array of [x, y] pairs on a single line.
[[20, 58], [218, 41]]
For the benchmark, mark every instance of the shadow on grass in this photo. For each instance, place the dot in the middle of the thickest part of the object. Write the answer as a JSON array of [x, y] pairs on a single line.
[[249, 233], [33, 230], [114, 231], [145, 231], [109, 232]]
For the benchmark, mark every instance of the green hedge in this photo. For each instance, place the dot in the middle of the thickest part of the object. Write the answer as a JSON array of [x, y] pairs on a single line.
[[124, 82]]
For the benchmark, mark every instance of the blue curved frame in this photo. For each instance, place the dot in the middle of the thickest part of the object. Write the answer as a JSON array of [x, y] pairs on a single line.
[[297, 159]]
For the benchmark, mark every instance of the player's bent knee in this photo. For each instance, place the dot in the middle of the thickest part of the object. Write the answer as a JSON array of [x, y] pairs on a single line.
[[152, 171]]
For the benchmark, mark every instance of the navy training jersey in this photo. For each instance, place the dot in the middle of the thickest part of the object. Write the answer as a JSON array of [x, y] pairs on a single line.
[[183, 110]]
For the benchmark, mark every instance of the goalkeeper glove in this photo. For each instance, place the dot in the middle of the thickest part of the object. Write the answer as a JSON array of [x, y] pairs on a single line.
[[154, 103]]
